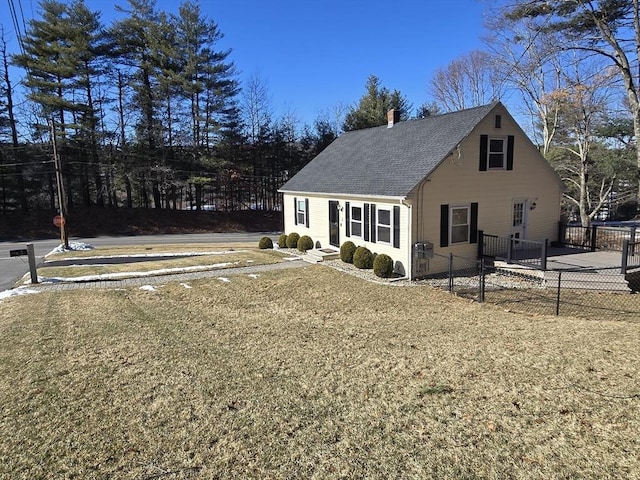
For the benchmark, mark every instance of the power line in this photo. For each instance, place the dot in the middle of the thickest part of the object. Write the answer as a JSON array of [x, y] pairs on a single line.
[[16, 24]]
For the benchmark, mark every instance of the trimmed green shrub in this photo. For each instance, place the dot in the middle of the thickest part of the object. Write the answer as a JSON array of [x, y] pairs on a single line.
[[292, 240], [346, 251], [265, 242], [383, 266], [363, 258], [305, 243], [282, 241]]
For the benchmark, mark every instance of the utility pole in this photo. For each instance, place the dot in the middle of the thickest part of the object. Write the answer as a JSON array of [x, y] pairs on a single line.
[[62, 201]]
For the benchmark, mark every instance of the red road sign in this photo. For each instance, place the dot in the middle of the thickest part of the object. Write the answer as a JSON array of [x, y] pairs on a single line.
[[58, 221]]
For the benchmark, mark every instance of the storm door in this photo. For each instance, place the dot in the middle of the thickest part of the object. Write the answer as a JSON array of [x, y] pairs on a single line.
[[519, 221], [334, 223]]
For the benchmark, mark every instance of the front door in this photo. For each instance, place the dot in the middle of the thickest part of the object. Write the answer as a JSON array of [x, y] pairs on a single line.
[[334, 223], [519, 220]]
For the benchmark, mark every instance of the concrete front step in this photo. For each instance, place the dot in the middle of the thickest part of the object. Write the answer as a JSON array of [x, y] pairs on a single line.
[[318, 255]]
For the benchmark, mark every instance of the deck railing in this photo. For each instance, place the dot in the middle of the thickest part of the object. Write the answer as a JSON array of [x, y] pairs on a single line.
[[630, 256], [513, 250], [597, 237]]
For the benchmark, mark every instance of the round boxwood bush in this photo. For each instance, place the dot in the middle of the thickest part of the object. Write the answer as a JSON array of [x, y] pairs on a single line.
[[265, 242], [363, 258], [346, 251], [292, 240], [282, 241], [305, 243], [383, 266]]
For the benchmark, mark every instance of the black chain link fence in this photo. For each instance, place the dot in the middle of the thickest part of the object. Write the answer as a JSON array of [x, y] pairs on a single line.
[[601, 294]]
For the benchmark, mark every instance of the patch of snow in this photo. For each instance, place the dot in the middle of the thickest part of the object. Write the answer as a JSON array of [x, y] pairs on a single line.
[[149, 288], [253, 275], [145, 255], [250, 261], [16, 291], [185, 285], [224, 279], [73, 247]]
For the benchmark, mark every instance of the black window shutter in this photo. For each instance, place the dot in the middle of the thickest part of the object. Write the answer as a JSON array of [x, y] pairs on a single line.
[[306, 212], [473, 226], [510, 140], [347, 213], [366, 222], [295, 211], [444, 225], [396, 226], [484, 146], [373, 223]]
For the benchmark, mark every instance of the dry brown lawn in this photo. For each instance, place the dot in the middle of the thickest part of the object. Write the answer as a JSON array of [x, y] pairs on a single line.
[[310, 373], [219, 256], [124, 250]]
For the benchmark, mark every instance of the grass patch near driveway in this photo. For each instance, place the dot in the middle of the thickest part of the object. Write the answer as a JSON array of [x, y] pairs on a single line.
[[107, 261], [310, 373], [124, 250]]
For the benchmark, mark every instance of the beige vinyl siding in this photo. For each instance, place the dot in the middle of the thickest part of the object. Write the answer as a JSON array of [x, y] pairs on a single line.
[[318, 217], [401, 254], [458, 181], [319, 224]]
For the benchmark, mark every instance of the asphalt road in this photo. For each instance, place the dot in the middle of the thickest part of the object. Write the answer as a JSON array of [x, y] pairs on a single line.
[[13, 268]]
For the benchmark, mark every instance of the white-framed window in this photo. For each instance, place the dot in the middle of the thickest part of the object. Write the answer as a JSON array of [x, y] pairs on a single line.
[[301, 211], [459, 219], [356, 221], [384, 226], [497, 153]]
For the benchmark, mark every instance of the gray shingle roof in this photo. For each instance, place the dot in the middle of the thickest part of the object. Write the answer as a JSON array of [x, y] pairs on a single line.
[[386, 161]]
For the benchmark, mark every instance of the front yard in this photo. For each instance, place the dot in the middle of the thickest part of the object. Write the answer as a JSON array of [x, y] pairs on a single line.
[[310, 373]]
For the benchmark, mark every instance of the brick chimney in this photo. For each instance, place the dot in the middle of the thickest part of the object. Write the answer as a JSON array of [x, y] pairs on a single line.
[[393, 117]]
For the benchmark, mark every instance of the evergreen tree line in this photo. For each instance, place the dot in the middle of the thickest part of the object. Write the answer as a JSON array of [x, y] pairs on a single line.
[[145, 112]]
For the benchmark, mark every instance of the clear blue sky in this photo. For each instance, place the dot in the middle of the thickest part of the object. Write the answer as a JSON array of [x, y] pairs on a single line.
[[316, 54]]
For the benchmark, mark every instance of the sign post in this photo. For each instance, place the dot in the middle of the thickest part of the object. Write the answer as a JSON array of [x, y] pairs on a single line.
[[32, 262]]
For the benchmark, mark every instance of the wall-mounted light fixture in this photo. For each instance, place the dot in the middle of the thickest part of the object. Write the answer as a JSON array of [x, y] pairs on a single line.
[[533, 205]]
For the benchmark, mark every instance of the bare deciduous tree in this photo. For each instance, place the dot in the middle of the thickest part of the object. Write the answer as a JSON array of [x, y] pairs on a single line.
[[468, 81]]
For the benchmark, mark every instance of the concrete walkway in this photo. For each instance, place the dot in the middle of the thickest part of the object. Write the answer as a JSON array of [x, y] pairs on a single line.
[[159, 279]]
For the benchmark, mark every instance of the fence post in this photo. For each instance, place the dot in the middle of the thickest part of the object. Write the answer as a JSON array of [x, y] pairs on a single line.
[[558, 294], [450, 272], [480, 243], [32, 262], [562, 231], [625, 257], [481, 281], [509, 248], [594, 237], [633, 240], [545, 248]]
